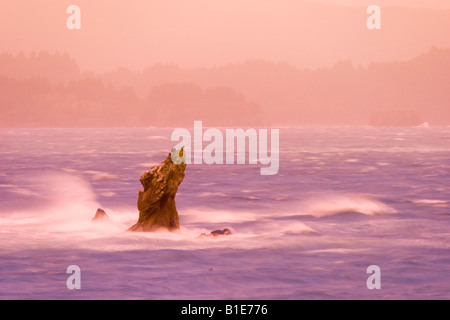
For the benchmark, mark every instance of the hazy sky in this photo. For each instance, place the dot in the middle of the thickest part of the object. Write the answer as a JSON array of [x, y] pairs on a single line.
[[432, 4], [206, 33]]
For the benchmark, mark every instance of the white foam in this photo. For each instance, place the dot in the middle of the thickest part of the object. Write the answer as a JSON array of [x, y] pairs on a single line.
[[429, 201], [331, 204], [65, 221], [210, 216]]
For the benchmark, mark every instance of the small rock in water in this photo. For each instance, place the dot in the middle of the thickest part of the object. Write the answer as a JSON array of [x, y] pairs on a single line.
[[215, 233], [100, 215], [224, 232]]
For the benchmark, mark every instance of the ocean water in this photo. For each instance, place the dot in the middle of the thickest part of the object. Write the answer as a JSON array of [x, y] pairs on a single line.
[[345, 198]]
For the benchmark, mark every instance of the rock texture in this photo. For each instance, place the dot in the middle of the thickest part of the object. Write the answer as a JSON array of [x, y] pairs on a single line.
[[215, 233], [156, 203], [100, 215]]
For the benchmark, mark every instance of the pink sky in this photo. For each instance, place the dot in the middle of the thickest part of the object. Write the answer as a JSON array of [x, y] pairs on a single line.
[[195, 33], [431, 4]]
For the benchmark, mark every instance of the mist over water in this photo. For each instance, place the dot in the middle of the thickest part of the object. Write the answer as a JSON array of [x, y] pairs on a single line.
[[344, 198]]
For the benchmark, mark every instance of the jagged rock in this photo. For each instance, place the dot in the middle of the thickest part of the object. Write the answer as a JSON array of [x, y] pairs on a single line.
[[100, 215], [156, 203], [215, 233]]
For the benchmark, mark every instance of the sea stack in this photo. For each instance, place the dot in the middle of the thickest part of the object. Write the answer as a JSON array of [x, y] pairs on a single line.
[[156, 203]]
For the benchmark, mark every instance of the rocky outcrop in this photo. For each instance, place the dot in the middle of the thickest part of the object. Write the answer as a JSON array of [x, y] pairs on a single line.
[[215, 233], [156, 203], [100, 215]]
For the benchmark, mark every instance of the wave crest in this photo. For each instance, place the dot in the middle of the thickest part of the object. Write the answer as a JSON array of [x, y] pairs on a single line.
[[327, 205]]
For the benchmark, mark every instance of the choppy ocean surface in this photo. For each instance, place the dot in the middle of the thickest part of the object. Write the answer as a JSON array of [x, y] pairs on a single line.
[[344, 199]]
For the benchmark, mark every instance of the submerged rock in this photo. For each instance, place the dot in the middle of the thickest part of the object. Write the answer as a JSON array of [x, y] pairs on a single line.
[[224, 232], [100, 215], [215, 233], [156, 203]]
